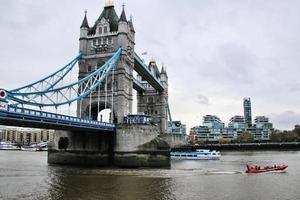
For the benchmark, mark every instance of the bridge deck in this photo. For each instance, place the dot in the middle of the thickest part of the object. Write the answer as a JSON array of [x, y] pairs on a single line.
[[15, 116], [141, 68]]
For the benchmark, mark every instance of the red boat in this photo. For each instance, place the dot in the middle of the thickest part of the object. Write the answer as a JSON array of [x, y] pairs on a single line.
[[258, 169]]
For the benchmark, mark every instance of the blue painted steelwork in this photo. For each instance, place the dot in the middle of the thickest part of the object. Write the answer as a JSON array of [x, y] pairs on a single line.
[[46, 118], [137, 85], [169, 113], [54, 97], [51, 80], [156, 83]]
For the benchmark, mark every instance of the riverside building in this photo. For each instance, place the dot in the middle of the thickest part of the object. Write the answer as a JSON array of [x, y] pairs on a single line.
[[25, 135], [214, 130]]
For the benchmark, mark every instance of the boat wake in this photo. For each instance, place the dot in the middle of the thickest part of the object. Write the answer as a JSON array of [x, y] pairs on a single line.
[[222, 172]]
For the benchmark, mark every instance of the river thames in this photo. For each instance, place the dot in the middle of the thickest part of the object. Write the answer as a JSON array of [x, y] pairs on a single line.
[[26, 175]]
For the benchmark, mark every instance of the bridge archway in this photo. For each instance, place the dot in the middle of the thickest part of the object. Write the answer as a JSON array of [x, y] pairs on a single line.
[[103, 110]]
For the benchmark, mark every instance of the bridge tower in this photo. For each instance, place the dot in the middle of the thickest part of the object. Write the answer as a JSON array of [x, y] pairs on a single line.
[[97, 44], [154, 103]]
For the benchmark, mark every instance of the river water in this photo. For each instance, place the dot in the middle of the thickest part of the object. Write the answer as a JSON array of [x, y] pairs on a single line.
[[26, 175]]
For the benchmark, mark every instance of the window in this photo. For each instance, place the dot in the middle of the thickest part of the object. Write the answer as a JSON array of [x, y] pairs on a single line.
[[105, 29], [100, 30], [150, 100], [94, 42], [89, 68], [104, 40], [110, 41]]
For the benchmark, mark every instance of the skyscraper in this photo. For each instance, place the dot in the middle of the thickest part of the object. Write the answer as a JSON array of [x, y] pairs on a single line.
[[247, 112]]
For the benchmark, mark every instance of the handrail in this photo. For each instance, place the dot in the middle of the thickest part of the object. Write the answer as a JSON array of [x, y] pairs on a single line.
[[45, 114]]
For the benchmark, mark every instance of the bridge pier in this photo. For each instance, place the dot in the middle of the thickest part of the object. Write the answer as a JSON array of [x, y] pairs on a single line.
[[133, 145], [139, 145], [81, 148]]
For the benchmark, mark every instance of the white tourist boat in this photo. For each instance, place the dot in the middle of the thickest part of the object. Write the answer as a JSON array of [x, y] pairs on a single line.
[[199, 154], [8, 146], [43, 146]]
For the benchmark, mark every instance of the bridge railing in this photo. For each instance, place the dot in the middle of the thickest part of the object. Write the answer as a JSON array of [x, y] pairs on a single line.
[[57, 117]]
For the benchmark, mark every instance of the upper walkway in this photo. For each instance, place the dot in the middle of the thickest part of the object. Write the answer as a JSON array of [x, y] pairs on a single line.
[[141, 68]]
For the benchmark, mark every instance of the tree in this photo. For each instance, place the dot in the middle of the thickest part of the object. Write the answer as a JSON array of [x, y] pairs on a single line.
[[246, 137], [291, 137], [297, 130], [275, 136], [225, 140]]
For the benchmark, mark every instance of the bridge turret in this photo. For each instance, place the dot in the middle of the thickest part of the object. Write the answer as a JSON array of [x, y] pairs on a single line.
[[164, 77], [123, 30], [84, 28]]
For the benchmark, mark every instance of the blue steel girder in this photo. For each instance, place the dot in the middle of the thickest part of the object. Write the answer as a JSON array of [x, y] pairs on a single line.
[[138, 86], [17, 116], [69, 93], [141, 68]]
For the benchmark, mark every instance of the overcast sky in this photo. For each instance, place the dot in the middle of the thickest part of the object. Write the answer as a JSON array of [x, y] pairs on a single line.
[[216, 51]]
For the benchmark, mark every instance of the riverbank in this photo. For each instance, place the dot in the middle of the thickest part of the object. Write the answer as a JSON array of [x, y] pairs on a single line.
[[242, 146]]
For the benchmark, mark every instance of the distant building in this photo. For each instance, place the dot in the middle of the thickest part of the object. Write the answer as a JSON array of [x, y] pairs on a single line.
[[25, 135], [247, 112], [237, 122], [212, 122], [176, 127], [213, 129]]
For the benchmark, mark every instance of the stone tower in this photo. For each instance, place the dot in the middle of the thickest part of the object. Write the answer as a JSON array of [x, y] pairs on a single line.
[[152, 102], [97, 44]]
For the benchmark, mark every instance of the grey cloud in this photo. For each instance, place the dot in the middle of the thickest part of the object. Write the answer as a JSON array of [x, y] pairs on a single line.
[[285, 120], [202, 100], [221, 48]]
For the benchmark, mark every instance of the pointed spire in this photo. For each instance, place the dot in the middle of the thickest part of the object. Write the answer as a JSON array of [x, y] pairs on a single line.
[[163, 70], [85, 23], [123, 16], [131, 24]]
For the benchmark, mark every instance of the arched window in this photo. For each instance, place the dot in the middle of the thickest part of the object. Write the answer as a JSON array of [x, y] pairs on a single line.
[[100, 30], [105, 29], [89, 68]]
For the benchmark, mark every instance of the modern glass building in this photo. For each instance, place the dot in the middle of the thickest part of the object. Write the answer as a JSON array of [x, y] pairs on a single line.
[[237, 121], [213, 129], [247, 112], [212, 122]]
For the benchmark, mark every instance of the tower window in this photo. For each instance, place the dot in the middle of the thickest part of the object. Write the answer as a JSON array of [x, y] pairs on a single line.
[[105, 29], [100, 30], [89, 68], [110, 40]]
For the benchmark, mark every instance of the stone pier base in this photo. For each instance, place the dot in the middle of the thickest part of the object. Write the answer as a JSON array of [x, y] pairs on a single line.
[[133, 145], [174, 140], [81, 148], [140, 146]]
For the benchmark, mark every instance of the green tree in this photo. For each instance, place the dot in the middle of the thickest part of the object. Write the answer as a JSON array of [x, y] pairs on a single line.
[[225, 140], [275, 136], [246, 137], [291, 136], [297, 130]]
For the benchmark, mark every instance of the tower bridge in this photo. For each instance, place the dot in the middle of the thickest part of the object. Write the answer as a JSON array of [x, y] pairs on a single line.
[[106, 62]]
